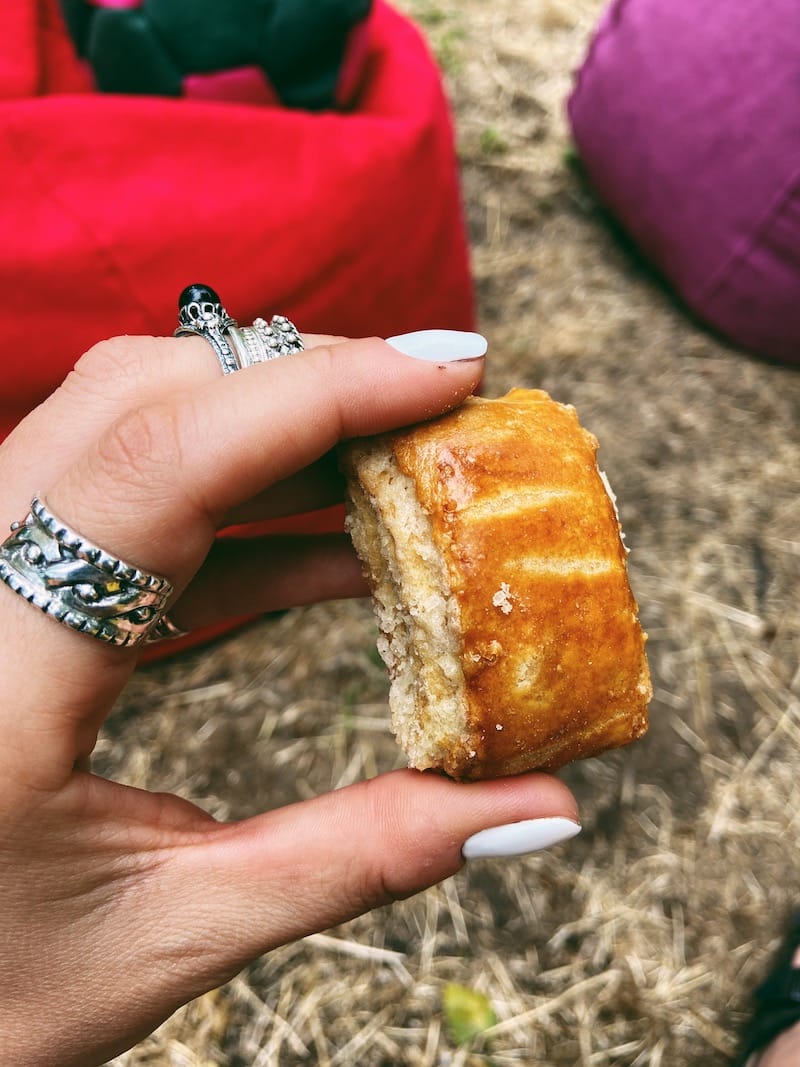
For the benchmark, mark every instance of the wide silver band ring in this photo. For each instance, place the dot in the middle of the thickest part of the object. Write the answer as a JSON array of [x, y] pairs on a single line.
[[200, 312], [78, 583], [164, 629]]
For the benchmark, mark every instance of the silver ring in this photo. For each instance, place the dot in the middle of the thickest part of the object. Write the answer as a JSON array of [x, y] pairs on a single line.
[[164, 629], [264, 340], [78, 583], [200, 312]]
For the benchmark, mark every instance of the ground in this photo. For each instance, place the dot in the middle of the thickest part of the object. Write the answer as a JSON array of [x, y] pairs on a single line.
[[636, 943]]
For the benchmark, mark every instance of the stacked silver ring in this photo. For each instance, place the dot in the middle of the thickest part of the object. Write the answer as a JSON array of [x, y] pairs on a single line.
[[200, 312], [264, 340]]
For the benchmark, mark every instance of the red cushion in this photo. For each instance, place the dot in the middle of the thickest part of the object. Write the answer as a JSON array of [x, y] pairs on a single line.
[[347, 222]]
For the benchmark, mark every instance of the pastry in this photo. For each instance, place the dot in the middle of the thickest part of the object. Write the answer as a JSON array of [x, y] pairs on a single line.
[[493, 549]]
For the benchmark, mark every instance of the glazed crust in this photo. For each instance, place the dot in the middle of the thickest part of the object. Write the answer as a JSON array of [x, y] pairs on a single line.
[[552, 653]]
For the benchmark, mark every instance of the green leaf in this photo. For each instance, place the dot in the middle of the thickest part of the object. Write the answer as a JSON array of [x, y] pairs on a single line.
[[493, 143], [468, 1013]]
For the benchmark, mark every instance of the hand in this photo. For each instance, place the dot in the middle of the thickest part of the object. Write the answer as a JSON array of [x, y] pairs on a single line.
[[116, 905]]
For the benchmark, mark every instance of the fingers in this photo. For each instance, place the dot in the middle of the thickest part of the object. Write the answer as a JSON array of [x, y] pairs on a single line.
[[155, 484], [317, 486], [110, 379], [304, 868], [129, 904], [154, 487], [248, 576]]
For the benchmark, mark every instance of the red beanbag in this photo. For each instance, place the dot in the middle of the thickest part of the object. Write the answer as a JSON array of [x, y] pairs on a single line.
[[687, 119], [348, 222]]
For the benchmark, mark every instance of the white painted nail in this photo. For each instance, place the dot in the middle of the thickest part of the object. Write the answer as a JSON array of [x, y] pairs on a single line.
[[440, 346], [517, 838]]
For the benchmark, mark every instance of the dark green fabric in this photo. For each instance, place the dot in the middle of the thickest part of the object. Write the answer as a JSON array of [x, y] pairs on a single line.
[[128, 58], [299, 44], [776, 1002]]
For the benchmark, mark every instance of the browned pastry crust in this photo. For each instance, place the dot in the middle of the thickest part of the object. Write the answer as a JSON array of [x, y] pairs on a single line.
[[494, 552]]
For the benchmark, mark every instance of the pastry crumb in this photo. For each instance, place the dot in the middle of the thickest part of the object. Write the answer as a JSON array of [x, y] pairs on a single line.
[[502, 598]]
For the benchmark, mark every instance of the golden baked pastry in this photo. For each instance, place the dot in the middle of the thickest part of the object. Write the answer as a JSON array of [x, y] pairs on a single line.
[[493, 549]]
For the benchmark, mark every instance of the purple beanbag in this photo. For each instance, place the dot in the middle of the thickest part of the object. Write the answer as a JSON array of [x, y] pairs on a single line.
[[687, 120]]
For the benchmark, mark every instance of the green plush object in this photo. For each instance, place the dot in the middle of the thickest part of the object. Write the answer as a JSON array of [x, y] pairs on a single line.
[[153, 46]]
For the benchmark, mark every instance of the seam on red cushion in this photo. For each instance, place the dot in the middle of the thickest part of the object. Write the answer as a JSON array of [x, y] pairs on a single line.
[[354, 61], [32, 169]]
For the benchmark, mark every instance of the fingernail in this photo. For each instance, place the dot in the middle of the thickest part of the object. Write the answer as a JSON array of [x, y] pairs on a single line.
[[517, 838], [440, 346]]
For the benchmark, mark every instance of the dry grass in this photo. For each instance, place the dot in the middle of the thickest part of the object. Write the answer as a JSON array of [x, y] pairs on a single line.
[[636, 943]]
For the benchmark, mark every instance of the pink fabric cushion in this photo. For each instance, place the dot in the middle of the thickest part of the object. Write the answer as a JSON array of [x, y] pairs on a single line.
[[687, 120]]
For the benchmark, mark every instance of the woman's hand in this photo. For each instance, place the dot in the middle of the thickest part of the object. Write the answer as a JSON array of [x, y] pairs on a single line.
[[116, 905]]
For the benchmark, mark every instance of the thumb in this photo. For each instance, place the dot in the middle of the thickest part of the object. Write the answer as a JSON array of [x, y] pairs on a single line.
[[304, 868]]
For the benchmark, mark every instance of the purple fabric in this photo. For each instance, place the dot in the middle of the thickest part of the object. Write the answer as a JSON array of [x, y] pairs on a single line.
[[687, 119]]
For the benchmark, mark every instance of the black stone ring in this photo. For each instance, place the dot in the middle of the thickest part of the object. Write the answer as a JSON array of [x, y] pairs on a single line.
[[200, 312]]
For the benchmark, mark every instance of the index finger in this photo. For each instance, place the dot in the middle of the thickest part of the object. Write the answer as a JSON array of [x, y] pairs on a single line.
[[111, 378]]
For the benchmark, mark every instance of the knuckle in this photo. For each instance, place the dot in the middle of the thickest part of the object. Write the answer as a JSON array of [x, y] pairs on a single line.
[[323, 359], [329, 386], [316, 340], [397, 819], [109, 362], [143, 447]]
